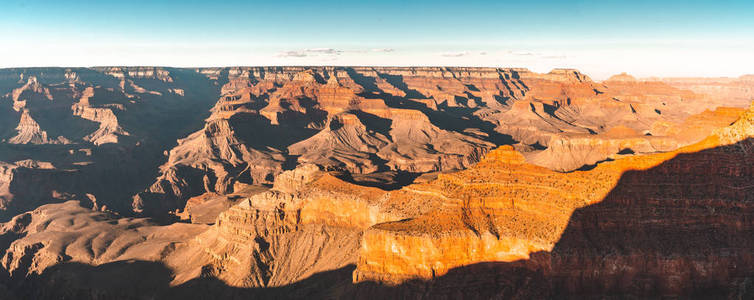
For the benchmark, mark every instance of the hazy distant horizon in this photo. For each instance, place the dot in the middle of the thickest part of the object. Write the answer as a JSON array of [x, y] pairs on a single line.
[[599, 38], [651, 77]]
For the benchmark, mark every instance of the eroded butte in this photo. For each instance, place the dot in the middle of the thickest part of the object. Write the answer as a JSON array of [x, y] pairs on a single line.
[[361, 182]]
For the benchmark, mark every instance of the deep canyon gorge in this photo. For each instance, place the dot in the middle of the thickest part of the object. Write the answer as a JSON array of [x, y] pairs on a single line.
[[373, 182]]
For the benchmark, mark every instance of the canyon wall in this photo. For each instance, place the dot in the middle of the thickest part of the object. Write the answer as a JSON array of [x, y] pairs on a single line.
[[185, 133], [391, 121], [104, 130], [361, 182], [673, 224]]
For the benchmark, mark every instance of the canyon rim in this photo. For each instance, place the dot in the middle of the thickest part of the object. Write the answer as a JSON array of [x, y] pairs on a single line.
[[376, 150]]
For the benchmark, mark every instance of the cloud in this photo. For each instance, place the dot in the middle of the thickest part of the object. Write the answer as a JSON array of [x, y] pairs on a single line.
[[463, 53], [521, 53], [455, 54], [384, 50], [329, 51], [311, 52], [291, 54]]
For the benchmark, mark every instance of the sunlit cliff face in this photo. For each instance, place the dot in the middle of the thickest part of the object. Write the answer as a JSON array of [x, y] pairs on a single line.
[[594, 196], [505, 210]]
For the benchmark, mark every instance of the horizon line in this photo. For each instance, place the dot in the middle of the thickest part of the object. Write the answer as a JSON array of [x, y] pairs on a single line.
[[370, 66]]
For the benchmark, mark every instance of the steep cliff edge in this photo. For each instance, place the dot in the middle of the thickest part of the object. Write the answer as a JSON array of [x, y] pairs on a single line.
[[666, 224], [378, 121], [588, 196], [29, 132], [380, 126], [309, 222], [674, 223], [104, 130]]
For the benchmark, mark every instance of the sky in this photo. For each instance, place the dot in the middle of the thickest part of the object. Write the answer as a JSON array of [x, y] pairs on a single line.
[[600, 38]]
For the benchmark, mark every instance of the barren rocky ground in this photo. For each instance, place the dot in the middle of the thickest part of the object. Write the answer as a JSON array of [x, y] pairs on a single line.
[[363, 182]]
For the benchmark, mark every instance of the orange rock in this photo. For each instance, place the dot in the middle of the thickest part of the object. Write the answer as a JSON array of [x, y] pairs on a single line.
[[504, 210]]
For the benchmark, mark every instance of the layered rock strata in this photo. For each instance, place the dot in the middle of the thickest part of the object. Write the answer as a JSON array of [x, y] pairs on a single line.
[[671, 224], [364, 120], [674, 223]]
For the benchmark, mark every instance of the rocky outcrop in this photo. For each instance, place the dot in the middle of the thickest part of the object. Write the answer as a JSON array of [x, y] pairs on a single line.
[[19, 95], [6, 177], [309, 222], [380, 126], [104, 133], [26, 184], [29, 132], [109, 128], [673, 224], [740, 130], [269, 160], [411, 143], [212, 161], [668, 224], [502, 209], [575, 151], [369, 121], [155, 73]]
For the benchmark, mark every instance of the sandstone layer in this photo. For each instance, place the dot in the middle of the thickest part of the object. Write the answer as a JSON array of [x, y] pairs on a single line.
[[361, 182], [672, 224], [111, 127], [103, 129], [409, 121], [667, 224]]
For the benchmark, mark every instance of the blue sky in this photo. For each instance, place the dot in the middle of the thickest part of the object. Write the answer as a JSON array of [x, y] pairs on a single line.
[[663, 38]]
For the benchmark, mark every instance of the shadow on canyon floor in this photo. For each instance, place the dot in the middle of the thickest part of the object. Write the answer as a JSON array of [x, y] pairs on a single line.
[[151, 280], [455, 119], [681, 229], [110, 172]]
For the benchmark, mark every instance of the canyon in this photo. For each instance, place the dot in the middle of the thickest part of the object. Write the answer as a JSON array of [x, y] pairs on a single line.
[[373, 182]]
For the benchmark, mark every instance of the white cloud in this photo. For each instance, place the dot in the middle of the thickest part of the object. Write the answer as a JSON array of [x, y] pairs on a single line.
[[455, 54], [329, 51], [291, 54], [384, 50], [522, 53], [463, 53], [310, 52]]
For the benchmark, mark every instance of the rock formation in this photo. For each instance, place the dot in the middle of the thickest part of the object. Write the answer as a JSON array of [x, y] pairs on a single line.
[[104, 133], [361, 182], [378, 126], [30, 133], [503, 227], [661, 224], [414, 120]]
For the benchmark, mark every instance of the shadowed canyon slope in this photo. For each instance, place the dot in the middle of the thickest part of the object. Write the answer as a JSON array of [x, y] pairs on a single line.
[[94, 134], [342, 182], [102, 132], [675, 223]]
